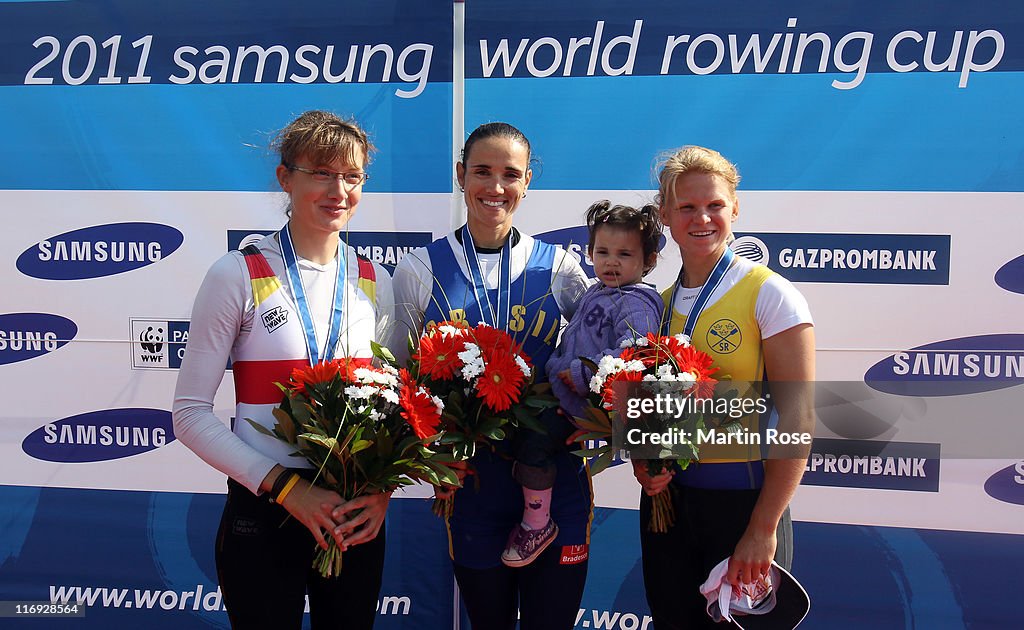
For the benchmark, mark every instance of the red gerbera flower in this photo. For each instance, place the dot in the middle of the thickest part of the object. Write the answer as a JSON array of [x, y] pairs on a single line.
[[501, 383], [608, 393], [698, 363], [493, 340], [348, 366], [312, 375], [419, 411], [439, 355]]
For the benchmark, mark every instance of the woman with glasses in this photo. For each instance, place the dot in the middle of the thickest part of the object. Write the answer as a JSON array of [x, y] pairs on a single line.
[[298, 297], [488, 271]]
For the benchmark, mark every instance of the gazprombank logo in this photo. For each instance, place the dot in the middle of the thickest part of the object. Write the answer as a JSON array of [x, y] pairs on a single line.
[[158, 343], [25, 336], [100, 250], [385, 248], [967, 365], [1007, 485], [752, 248], [100, 435], [850, 258], [873, 464], [1011, 275]]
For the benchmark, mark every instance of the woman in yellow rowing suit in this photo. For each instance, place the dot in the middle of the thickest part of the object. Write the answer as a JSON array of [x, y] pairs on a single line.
[[756, 326]]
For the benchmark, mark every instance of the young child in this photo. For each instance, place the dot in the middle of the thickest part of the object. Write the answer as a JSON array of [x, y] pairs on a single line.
[[624, 248]]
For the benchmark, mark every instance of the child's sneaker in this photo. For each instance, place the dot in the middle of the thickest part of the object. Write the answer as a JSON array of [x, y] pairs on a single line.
[[525, 545]]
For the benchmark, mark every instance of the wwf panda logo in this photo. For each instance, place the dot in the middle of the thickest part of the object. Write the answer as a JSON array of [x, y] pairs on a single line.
[[152, 340]]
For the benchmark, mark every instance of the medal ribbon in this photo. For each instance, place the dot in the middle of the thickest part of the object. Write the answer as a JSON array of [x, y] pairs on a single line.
[[299, 291], [498, 316], [706, 290]]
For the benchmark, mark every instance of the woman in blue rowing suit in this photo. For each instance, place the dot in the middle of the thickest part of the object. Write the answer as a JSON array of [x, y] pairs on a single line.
[[487, 271], [755, 325]]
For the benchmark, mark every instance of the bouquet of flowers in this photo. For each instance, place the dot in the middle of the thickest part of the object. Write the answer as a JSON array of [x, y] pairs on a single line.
[[659, 363], [486, 382], [364, 429]]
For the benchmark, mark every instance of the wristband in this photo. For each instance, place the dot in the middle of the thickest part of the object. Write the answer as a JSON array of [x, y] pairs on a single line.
[[278, 485], [294, 479]]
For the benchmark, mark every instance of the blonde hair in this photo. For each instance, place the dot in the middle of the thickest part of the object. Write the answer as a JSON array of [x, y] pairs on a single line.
[[692, 159], [323, 137]]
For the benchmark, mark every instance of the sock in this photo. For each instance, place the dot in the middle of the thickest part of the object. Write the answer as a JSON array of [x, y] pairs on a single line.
[[537, 511]]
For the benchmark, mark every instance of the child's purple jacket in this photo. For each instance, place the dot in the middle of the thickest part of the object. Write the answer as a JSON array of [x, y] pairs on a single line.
[[605, 316]]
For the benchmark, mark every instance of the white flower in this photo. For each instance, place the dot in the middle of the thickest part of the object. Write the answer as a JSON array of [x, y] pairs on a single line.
[[688, 379], [390, 369], [626, 343], [649, 377], [447, 330], [365, 375], [642, 341], [683, 339], [375, 415], [363, 391], [606, 366], [610, 365], [524, 366], [664, 371], [390, 395], [437, 401], [473, 363], [636, 365]]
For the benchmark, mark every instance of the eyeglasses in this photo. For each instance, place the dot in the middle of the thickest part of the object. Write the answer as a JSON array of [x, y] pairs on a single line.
[[325, 176]]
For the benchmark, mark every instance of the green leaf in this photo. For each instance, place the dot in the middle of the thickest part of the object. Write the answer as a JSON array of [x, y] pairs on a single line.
[[262, 429], [589, 364], [323, 440], [382, 353], [497, 433], [538, 402], [601, 462], [359, 445], [285, 424], [593, 452]]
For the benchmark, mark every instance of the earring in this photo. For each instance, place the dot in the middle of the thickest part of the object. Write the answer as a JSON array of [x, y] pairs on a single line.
[[524, 194], [461, 189]]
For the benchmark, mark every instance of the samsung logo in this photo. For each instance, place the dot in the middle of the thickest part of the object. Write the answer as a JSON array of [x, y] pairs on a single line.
[[25, 336], [100, 436], [1007, 485], [956, 366], [850, 258], [873, 464], [1011, 275], [100, 250]]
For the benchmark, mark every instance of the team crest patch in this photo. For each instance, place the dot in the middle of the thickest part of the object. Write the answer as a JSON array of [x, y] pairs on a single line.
[[574, 554], [275, 318], [724, 336]]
